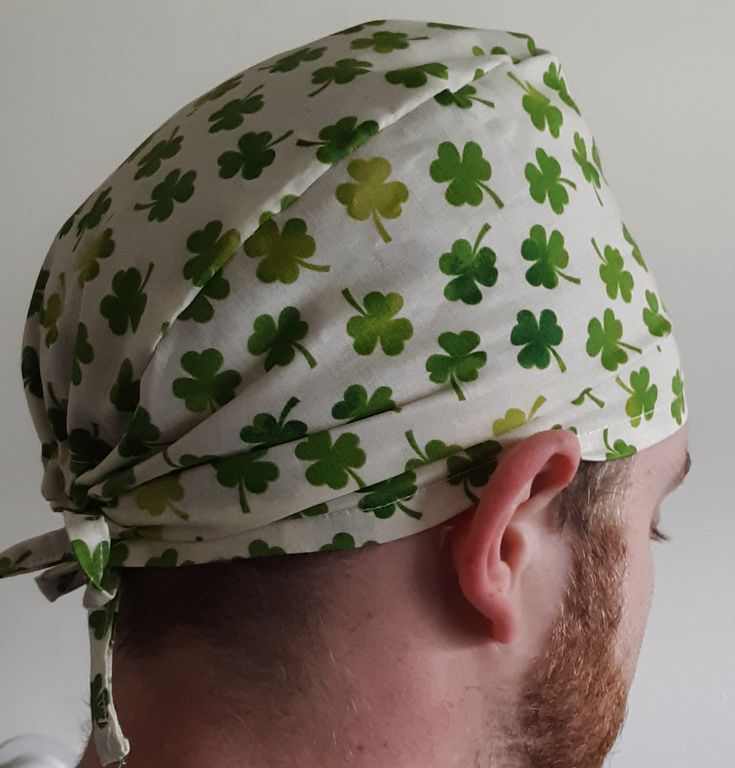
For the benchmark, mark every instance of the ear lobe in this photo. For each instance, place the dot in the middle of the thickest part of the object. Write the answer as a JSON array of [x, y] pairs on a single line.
[[492, 542]]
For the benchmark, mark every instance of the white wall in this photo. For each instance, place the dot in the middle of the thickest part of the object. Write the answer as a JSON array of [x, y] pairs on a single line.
[[82, 82]]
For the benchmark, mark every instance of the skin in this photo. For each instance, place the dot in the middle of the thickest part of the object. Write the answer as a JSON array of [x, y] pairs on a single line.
[[503, 647]]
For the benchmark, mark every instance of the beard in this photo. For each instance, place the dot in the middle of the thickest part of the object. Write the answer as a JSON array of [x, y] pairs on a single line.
[[574, 703]]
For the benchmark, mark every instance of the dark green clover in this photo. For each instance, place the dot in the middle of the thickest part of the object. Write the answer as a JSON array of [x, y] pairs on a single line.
[[292, 60], [333, 464], [604, 337], [127, 301], [460, 363], [200, 309], [141, 435], [472, 265], [337, 140], [642, 400], [614, 274], [212, 249], [554, 80], [100, 699], [465, 173], [589, 171], [462, 98], [550, 258], [246, 471], [171, 190], [94, 216], [339, 541], [208, 387], [376, 323], [230, 116], [385, 42], [280, 340], [50, 314], [546, 180], [254, 154], [656, 323], [165, 149], [678, 404], [382, 498], [341, 72], [215, 93], [167, 559], [417, 76], [30, 369], [356, 405], [35, 306], [266, 431], [100, 247], [538, 338], [620, 449], [83, 353], [260, 548], [539, 108], [125, 392], [475, 467]]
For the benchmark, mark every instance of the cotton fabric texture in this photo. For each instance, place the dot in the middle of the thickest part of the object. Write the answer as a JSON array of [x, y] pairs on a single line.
[[312, 308]]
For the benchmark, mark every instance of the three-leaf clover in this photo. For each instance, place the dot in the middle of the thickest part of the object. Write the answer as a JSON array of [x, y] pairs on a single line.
[[554, 80], [546, 180], [212, 250], [589, 171], [341, 72], [539, 108], [614, 274], [292, 60], [461, 98], [280, 340], [100, 247], [435, 450], [371, 194], [515, 417], [475, 467], [471, 266], [678, 404], [657, 324], [333, 464], [550, 258], [165, 149], [245, 471], [376, 322], [284, 252], [230, 116], [356, 405], [385, 42], [466, 173], [208, 387], [460, 363], [383, 497], [642, 393], [254, 154], [415, 77], [337, 140], [127, 301], [620, 449], [266, 430], [604, 337], [169, 191], [538, 338], [93, 217], [158, 495]]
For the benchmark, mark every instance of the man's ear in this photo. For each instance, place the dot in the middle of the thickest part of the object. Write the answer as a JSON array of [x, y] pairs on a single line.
[[490, 544]]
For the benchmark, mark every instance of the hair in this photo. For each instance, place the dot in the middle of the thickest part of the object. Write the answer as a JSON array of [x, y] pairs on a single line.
[[232, 605]]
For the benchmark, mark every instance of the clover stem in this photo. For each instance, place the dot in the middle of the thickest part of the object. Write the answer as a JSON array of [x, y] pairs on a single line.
[[568, 181], [630, 346], [381, 229], [466, 486], [516, 80], [571, 279], [351, 301], [596, 400], [456, 388], [479, 237], [597, 249], [558, 359], [622, 384], [412, 442], [355, 477], [599, 199], [604, 439], [292, 401], [492, 194], [540, 400], [305, 352], [168, 460], [319, 90], [281, 138], [315, 267], [410, 512], [241, 496], [484, 101], [147, 275]]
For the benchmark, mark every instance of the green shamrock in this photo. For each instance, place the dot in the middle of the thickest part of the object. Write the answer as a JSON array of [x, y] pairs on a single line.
[[92, 563], [337, 140], [465, 173], [140, 435], [86, 448], [127, 301], [93, 217], [51, 313], [158, 495], [546, 179], [341, 72], [100, 699], [636, 252], [125, 392], [515, 417], [339, 541], [230, 116], [385, 42], [383, 497], [475, 468], [539, 108], [279, 341], [167, 559], [434, 450], [83, 353], [254, 155], [657, 324], [605, 337], [613, 273], [471, 266], [149, 164], [171, 190], [212, 251], [246, 471], [260, 548], [215, 93], [678, 404], [101, 621], [460, 363], [587, 392], [642, 393], [292, 60], [100, 247], [554, 80], [588, 169], [462, 98], [284, 251], [376, 322], [206, 389], [415, 77], [30, 369], [538, 338], [371, 195], [530, 43], [550, 258], [620, 448], [333, 464], [355, 404], [200, 309], [266, 431]]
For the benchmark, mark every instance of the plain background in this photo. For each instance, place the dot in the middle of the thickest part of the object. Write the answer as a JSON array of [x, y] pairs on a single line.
[[83, 82]]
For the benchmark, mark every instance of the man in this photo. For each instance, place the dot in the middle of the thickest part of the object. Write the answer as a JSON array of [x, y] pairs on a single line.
[[359, 403]]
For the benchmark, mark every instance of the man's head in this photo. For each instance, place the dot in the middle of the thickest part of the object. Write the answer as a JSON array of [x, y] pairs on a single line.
[[526, 611]]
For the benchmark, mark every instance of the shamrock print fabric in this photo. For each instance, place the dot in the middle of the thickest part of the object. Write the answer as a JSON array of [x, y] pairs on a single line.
[[310, 310]]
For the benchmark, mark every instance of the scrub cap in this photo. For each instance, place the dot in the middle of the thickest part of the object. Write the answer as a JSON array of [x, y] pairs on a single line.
[[311, 309]]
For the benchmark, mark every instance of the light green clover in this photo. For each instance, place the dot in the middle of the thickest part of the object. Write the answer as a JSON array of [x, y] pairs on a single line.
[[539, 108], [550, 258], [465, 173], [642, 400], [546, 180], [614, 274], [589, 171], [515, 417], [605, 338], [678, 404], [207, 388], [620, 448], [657, 324]]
